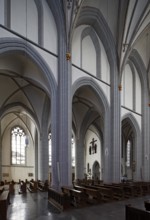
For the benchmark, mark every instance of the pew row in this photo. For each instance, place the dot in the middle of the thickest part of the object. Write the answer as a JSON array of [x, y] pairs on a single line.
[[43, 185], [33, 186], [22, 187], [91, 195], [4, 202], [76, 197], [58, 199], [132, 213], [106, 193]]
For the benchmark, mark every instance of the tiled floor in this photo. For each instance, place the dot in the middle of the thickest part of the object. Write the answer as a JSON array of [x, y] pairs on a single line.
[[34, 206]]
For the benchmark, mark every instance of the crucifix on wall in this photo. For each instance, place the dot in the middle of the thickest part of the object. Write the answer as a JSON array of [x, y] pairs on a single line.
[[93, 147]]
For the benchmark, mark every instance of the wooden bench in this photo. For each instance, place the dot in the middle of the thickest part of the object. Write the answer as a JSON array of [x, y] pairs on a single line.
[[4, 202], [33, 186], [137, 189], [58, 199], [77, 198], [106, 193], [12, 188], [91, 195], [118, 192], [1, 189], [133, 213], [22, 188], [128, 190], [43, 186]]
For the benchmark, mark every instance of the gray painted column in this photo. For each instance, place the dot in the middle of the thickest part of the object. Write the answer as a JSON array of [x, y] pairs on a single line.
[[43, 157], [43, 144], [7, 18], [61, 126], [79, 166], [0, 154], [145, 144], [64, 116], [36, 155], [107, 152], [62, 137], [55, 149], [138, 159], [145, 169], [115, 130]]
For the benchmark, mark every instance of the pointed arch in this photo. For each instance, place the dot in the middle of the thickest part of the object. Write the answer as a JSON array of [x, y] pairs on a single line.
[[89, 31], [86, 81], [137, 157], [96, 170], [93, 17], [13, 45], [104, 110], [133, 122]]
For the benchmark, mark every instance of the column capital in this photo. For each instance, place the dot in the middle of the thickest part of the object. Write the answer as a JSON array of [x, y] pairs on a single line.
[[68, 56], [120, 87]]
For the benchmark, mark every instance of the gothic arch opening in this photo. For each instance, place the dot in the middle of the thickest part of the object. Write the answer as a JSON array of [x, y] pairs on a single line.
[[130, 148], [96, 171], [89, 121], [22, 105]]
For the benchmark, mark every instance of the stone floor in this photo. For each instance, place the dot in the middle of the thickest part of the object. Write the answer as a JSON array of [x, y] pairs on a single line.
[[35, 206]]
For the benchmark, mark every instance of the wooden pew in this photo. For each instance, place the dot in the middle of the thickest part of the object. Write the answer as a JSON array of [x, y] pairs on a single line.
[[132, 213], [144, 187], [137, 189], [4, 202], [58, 199], [33, 186], [76, 197], [118, 192], [1, 189], [43, 186], [91, 195], [12, 187], [106, 193], [22, 188], [127, 188]]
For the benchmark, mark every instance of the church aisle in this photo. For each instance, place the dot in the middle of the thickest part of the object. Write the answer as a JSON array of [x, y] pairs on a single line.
[[35, 206]]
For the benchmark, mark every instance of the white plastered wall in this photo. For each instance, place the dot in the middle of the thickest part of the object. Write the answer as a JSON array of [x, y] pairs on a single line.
[[127, 99], [93, 157], [25, 19], [50, 30], [88, 56]]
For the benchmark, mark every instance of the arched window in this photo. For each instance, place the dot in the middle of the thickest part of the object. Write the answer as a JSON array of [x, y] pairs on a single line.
[[73, 151], [128, 154], [18, 153], [50, 149]]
